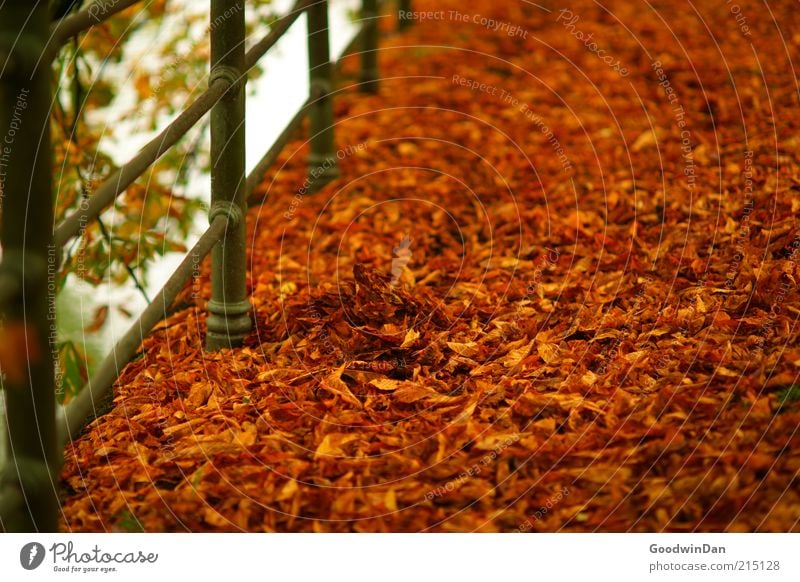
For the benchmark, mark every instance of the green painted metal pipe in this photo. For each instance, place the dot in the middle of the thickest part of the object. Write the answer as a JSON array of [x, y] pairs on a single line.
[[28, 269], [322, 166], [369, 48], [229, 308], [95, 13], [7, 64], [404, 19]]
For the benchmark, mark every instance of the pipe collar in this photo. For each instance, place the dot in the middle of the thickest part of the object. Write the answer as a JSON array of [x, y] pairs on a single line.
[[230, 210]]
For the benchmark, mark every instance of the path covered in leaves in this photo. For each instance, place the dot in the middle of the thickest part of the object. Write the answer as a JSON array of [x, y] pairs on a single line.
[[554, 289]]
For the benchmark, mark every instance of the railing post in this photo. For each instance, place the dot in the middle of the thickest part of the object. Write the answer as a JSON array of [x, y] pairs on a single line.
[[28, 481], [322, 167], [369, 47], [404, 18], [229, 307]]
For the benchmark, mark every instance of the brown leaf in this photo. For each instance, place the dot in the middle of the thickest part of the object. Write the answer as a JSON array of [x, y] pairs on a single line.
[[334, 384]]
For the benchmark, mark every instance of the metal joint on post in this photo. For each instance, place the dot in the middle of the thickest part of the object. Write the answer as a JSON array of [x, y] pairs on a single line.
[[230, 210], [319, 88], [228, 323], [231, 75]]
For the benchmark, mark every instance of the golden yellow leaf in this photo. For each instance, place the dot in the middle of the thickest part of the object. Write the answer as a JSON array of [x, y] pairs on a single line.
[[467, 349], [548, 352], [514, 357], [411, 336], [331, 445], [390, 500], [386, 384], [333, 383]]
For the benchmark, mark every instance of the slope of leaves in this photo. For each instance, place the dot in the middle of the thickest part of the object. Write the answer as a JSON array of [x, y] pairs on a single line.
[[467, 333]]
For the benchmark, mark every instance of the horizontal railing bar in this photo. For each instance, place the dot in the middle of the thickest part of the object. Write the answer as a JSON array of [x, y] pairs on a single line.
[[71, 417], [97, 12], [257, 173], [277, 30], [124, 176]]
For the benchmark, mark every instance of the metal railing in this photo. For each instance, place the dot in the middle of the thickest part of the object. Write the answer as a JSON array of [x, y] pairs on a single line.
[[37, 428]]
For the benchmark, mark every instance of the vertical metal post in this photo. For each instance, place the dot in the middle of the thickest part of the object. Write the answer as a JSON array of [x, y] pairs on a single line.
[[229, 308], [322, 167], [369, 47], [404, 18], [28, 486]]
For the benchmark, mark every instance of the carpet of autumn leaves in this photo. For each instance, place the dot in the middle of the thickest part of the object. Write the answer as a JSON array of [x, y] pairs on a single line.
[[563, 300]]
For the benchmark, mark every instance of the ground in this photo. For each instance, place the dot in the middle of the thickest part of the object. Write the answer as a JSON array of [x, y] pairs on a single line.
[[554, 289]]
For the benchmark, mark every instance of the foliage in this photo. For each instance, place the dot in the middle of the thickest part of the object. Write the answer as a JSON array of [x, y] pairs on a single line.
[[559, 350], [132, 73]]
